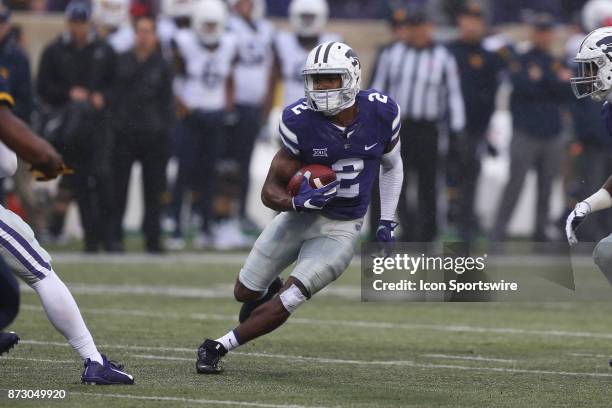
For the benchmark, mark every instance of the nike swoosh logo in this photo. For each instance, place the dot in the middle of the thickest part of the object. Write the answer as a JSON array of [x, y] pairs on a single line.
[[370, 147], [121, 372], [310, 206]]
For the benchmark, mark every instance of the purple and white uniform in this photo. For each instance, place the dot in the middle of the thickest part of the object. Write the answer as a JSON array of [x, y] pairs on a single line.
[[323, 243], [18, 246]]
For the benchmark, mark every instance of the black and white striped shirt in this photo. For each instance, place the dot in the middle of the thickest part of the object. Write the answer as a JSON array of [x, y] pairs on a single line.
[[424, 82]]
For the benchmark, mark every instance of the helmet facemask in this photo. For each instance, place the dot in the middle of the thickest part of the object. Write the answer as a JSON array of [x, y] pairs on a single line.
[[329, 101], [589, 81]]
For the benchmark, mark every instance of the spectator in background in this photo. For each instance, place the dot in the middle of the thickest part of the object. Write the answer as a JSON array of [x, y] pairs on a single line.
[[516, 11], [142, 117], [399, 33], [205, 94], [75, 77], [479, 72], [252, 75], [540, 87], [15, 66], [421, 76]]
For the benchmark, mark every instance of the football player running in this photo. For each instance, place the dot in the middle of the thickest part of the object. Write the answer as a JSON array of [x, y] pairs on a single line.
[[354, 132], [595, 80], [30, 262]]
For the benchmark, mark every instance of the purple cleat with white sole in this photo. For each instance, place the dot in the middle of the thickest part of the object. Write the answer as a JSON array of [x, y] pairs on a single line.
[[108, 373]]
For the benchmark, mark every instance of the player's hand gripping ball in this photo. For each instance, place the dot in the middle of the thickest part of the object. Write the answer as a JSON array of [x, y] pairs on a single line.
[[320, 176], [312, 187]]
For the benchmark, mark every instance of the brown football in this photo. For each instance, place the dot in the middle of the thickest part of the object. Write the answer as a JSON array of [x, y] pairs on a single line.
[[320, 176]]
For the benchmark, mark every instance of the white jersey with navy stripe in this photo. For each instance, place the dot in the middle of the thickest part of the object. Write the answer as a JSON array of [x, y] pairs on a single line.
[[207, 72], [292, 57], [254, 59]]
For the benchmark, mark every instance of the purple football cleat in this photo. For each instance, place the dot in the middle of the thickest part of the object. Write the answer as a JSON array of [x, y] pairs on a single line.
[[108, 373]]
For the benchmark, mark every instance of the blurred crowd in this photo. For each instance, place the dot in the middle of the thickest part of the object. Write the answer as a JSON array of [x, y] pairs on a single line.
[[193, 82], [443, 11]]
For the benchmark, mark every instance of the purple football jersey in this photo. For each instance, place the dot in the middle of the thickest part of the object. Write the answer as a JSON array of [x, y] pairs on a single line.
[[354, 152]]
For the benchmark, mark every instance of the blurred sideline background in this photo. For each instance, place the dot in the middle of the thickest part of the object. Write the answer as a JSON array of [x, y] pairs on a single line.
[[365, 26]]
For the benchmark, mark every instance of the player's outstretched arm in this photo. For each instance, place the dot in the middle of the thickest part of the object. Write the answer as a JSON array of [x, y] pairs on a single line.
[[601, 200], [274, 193], [391, 178], [38, 152]]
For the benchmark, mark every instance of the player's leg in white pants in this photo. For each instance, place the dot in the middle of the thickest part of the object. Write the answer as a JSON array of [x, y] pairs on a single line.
[[30, 262], [323, 249]]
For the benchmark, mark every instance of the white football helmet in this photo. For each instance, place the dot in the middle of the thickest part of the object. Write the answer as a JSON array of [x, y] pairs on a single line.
[[209, 20], [308, 17], [332, 58], [178, 8], [596, 14], [594, 60], [111, 13]]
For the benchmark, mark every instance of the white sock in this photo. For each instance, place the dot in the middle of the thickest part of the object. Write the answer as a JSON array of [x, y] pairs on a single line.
[[64, 314], [229, 341]]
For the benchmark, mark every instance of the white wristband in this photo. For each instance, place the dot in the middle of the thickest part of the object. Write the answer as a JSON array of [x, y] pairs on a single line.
[[600, 200]]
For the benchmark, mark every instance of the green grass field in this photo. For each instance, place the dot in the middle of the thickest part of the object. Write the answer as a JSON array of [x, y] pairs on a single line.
[[335, 351]]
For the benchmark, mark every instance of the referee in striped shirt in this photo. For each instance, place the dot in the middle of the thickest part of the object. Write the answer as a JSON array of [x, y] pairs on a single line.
[[421, 76]]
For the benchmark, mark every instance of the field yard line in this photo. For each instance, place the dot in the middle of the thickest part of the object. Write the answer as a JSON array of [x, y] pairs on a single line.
[[590, 355], [112, 346], [351, 323], [148, 259], [237, 258], [402, 363], [39, 360], [217, 291], [187, 400], [470, 358]]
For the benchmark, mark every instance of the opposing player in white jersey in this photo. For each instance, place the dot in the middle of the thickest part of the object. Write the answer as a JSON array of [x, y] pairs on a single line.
[[307, 19], [30, 262], [252, 76], [112, 21], [174, 16], [204, 93]]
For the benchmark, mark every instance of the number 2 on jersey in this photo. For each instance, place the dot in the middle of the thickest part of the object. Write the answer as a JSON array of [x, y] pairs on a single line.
[[348, 169]]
